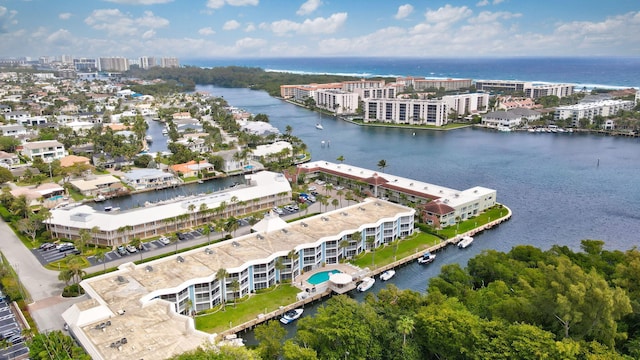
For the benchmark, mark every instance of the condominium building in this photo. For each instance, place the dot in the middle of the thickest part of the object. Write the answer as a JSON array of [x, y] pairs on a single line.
[[529, 89], [147, 62], [421, 84], [460, 205], [146, 304], [168, 62], [465, 104], [406, 111], [262, 191], [85, 64], [590, 110], [113, 64], [337, 101]]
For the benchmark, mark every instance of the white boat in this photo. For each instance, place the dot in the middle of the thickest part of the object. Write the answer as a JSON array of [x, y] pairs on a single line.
[[426, 258], [366, 284], [504, 128], [387, 275], [291, 316], [319, 126], [165, 131], [465, 242], [148, 138], [99, 198]]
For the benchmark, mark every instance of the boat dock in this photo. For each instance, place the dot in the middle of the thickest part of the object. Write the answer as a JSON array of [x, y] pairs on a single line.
[[320, 291]]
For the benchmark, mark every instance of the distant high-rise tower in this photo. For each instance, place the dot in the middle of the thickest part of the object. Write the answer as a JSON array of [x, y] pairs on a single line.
[[170, 62], [85, 64], [113, 64], [147, 62]]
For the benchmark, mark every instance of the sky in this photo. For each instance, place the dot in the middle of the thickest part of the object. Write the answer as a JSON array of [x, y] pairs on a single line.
[[201, 29]]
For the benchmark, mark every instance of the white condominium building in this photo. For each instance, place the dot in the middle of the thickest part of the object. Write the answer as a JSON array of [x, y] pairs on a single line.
[[590, 110], [434, 112], [529, 89], [263, 190], [147, 304], [337, 101]]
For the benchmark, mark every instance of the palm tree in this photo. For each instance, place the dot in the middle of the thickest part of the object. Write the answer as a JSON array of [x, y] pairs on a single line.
[[235, 287], [371, 245], [343, 245], [382, 164], [191, 208], [340, 193], [94, 233], [84, 237], [221, 276], [206, 230], [101, 255], [356, 237], [405, 326], [232, 225], [335, 203], [279, 267], [204, 209]]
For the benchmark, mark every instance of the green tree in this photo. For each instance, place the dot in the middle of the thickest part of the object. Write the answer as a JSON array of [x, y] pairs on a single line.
[[221, 276], [235, 288], [55, 345], [270, 336], [5, 175], [382, 164], [405, 326]]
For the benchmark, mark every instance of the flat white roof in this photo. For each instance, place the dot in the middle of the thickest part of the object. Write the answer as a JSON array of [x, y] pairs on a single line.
[[262, 184]]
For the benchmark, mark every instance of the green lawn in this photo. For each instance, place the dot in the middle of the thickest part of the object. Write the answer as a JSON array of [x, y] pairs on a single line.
[[464, 226], [389, 253], [271, 300]]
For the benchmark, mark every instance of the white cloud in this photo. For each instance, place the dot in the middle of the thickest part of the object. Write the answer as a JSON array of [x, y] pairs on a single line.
[[318, 25], [206, 31], [216, 4], [139, 2], [483, 3], [308, 7], [488, 16], [447, 14], [116, 23], [404, 11], [231, 25], [7, 17], [61, 37], [250, 27], [250, 43], [149, 34], [64, 16]]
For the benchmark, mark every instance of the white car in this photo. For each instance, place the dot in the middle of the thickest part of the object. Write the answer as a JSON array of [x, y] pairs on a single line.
[[131, 249], [312, 188], [339, 187], [164, 240], [320, 182], [278, 210]]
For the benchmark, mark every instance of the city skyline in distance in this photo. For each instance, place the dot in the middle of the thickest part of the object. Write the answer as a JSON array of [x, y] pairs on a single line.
[[259, 28]]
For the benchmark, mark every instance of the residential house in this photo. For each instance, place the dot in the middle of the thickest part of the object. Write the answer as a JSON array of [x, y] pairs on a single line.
[[192, 168], [48, 150], [231, 162], [9, 160], [105, 185], [109, 162], [141, 179], [13, 130]]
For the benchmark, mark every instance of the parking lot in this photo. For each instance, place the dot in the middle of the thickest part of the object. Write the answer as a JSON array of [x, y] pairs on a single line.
[[12, 332], [54, 253]]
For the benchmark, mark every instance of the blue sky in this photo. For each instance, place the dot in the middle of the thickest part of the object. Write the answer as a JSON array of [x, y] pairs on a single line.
[[191, 29]]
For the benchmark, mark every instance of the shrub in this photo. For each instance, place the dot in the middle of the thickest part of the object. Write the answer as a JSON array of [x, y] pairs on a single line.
[[72, 291]]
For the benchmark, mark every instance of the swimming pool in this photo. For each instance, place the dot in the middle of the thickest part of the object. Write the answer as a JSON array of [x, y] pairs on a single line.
[[56, 197], [319, 278]]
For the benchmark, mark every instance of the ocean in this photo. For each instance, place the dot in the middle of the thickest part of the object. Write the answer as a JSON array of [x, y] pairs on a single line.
[[589, 73]]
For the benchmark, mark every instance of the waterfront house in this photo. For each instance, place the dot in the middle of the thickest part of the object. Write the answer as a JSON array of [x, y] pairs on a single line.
[[106, 185], [141, 179], [502, 119], [192, 168]]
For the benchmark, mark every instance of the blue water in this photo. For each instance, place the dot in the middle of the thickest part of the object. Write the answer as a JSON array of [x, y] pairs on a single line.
[[588, 72], [319, 278]]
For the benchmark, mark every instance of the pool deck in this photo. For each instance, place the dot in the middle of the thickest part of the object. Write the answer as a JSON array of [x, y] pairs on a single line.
[[302, 282]]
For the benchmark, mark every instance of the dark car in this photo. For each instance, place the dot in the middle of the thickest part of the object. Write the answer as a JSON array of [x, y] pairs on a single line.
[[122, 250], [47, 246], [66, 247], [180, 236]]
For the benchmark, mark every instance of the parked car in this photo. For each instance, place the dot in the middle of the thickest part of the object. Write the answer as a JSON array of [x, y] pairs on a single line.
[[164, 240], [132, 249], [180, 236], [338, 188], [320, 182], [47, 246], [278, 210], [122, 251], [312, 188], [66, 247]]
